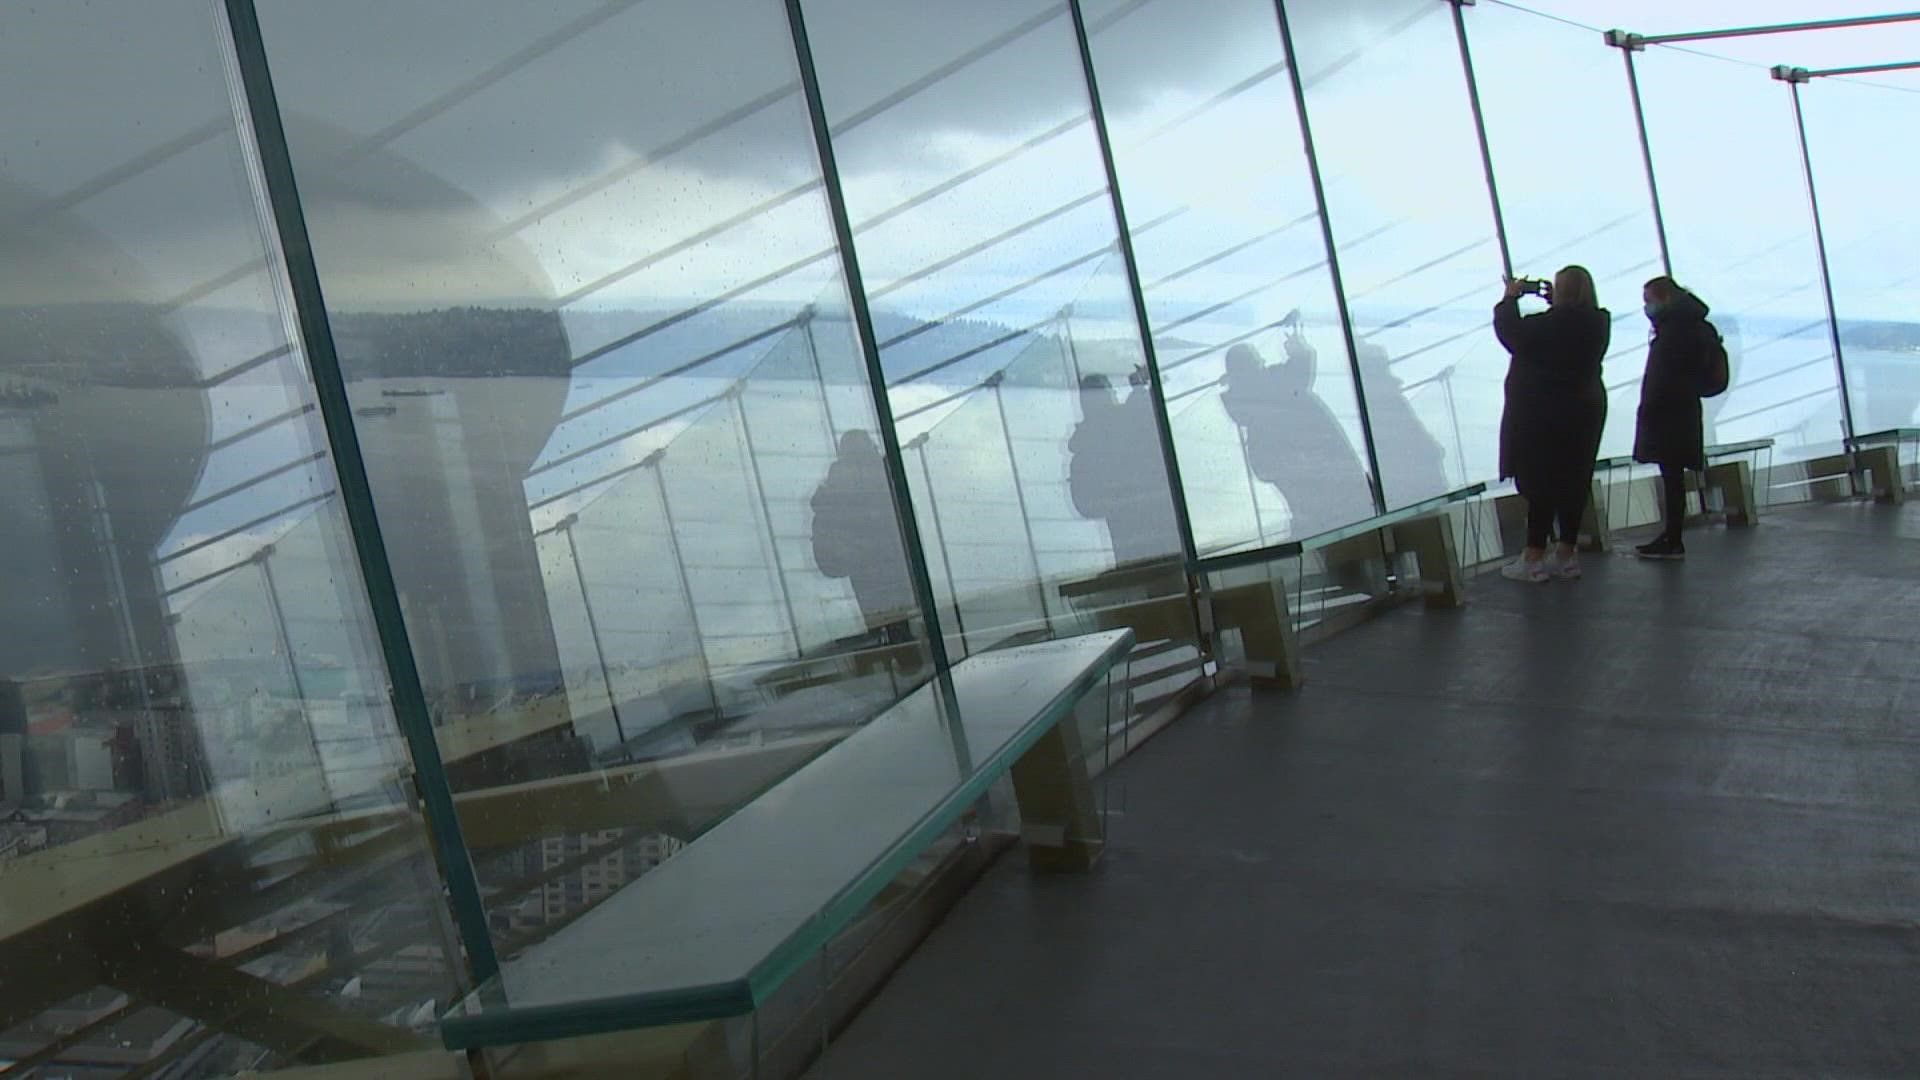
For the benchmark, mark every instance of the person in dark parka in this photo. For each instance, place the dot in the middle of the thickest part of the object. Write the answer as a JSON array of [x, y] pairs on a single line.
[[1103, 474], [855, 533], [1669, 433], [1556, 408]]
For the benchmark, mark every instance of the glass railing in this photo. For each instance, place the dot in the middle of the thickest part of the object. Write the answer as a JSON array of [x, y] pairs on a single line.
[[1871, 253], [1752, 260], [581, 273]]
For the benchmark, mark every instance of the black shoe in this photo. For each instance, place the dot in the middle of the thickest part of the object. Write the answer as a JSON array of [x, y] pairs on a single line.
[[1665, 547]]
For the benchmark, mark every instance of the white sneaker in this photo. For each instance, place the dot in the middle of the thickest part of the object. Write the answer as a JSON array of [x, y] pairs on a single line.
[[1568, 568], [1532, 570]]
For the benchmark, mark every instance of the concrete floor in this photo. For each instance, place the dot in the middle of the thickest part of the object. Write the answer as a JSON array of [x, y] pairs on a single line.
[[1660, 822]]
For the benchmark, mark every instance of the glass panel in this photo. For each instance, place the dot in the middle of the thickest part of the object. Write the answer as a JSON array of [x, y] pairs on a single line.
[[1234, 267], [1873, 255], [1407, 197], [707, 936], [1572, 190], [1728, 165], [208, 861], [987, 241], [982, 531], [579, 264]]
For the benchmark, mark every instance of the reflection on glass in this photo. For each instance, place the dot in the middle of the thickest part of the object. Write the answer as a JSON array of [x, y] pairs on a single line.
[[1407, 198], [586, 293], [1292, 439], [987, 241], [1234, 268], [208, 864], [1863, 174], [1573, 188], [852, 514], [1727, 162], [1098, 474]]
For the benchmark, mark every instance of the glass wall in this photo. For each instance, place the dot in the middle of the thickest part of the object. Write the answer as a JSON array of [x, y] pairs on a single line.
[[1573, 187], [1726, 159], [208, 861], [578, 264], [1413, 230], [1233, 265], [987, 240], [1863, 173], [583, 282]]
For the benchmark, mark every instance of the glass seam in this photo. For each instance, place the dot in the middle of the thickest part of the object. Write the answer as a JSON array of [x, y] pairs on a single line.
[[913, 549], [277, 201]]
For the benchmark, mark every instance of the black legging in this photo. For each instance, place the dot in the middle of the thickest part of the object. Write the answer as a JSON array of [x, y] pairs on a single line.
[[1563, 504], [1673, 483]]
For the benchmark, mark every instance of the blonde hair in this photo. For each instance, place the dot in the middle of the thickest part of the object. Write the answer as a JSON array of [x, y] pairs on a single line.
[[1573, 287]]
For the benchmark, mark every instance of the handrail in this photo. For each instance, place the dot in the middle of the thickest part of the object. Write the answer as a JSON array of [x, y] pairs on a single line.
[[1894, 435], [1295, 548], [1750, 446]]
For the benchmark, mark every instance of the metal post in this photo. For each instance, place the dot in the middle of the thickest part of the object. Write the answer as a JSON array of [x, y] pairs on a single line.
[[1162, 419], [1861, 69], [1453, 413], [1333, 257], [680, 568], [1072, 350], [1826, 282], [100, 523], [565, 528], [1253, 489], [919, 444], [876, 374], [1628, 45], [263, 559], [264, 145], [109, 545], [284, 639], [1782, 28], [1480, 129], [738, 392], [820, 377], [1020, 494]]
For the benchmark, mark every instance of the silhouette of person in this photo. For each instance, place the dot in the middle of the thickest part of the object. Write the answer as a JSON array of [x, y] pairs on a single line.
[[855, 535], [1103, 471], [1412, 461], [1293, 440]]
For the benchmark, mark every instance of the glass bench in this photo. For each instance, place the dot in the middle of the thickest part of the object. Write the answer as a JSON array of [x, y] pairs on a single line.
[[717, 928], [1238, 589], [1730, 472], [1877, 454]]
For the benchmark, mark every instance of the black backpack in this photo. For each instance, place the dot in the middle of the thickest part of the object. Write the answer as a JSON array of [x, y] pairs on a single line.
[[1714, 372]]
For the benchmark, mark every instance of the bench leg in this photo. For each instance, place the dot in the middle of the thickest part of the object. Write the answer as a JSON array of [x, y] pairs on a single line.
[[1266, 631], [1734, 479], [1431, 541], [1882, 466], [1059, 818], [1594, 522], [1510, 512]]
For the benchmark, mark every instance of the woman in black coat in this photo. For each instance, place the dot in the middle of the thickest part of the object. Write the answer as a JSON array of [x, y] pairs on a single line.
[[1669, 433], [1556, 408]]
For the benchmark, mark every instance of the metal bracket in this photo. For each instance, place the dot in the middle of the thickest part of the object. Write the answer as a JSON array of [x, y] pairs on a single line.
[[1623, 39], [1787, 73]]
